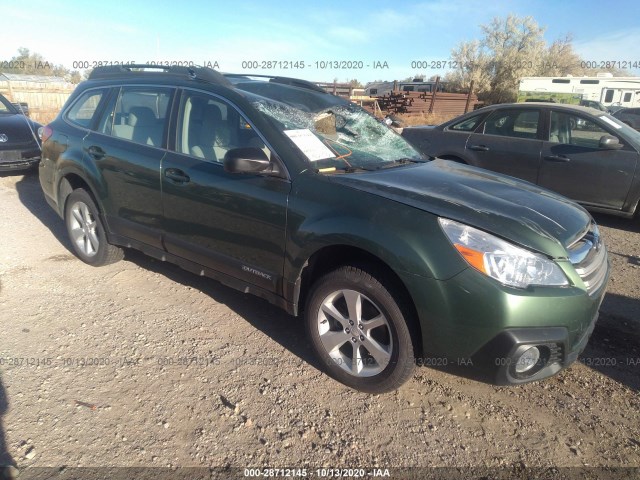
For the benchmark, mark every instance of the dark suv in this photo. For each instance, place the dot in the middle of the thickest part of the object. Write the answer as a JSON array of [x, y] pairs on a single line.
[[277, 188]]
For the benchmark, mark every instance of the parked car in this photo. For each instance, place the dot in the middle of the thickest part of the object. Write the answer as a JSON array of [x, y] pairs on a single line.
[[593, 104], [274, 187], [582, 153], [19, 142], [614, 108], [629, 116], [22, 107]]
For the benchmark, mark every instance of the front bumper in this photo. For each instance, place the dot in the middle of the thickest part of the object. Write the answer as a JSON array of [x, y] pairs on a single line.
[[499, 358], [478, 328]]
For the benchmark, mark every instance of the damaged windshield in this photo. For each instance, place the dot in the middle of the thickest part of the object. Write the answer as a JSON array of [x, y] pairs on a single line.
[[332, 133]]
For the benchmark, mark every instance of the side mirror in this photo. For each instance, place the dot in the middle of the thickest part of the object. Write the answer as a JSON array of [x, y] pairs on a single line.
[[609, 142], [246, 160]]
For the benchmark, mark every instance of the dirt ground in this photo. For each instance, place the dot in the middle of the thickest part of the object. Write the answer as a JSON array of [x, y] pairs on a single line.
[[141, 364]]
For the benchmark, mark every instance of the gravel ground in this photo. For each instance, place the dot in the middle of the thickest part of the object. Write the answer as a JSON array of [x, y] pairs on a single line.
[[140, 364]]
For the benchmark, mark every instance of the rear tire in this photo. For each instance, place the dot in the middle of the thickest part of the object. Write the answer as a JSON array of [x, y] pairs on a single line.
[[86, 231], [359, 331]]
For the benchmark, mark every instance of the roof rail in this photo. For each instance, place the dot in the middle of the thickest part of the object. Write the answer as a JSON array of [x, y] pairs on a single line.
[[203, 74], [294, 82]]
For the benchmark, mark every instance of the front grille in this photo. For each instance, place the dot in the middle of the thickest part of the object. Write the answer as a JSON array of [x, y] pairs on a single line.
[[589, 257]]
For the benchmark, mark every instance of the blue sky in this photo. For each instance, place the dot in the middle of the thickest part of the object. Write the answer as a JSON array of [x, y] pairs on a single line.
[[230, 33]]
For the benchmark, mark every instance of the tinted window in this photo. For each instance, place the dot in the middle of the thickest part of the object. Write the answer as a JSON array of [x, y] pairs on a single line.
[[138, 114], [5, 105], [467, 125], [575, 130], [513, 123], [627, 97], [208, 128], [609, 96], [82, 111]]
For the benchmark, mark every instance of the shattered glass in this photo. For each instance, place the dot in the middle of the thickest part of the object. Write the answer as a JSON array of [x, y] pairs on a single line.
[[356, 139]]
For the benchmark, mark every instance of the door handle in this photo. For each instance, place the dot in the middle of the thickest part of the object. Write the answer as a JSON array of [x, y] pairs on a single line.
[[479, 148], [557, 158], [176, 175], [96, 152]]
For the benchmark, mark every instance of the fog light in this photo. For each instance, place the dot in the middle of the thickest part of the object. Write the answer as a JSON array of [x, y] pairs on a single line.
[[527, 360]]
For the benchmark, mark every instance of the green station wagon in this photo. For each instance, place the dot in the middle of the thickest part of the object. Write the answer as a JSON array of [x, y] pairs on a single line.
[[274, 187]]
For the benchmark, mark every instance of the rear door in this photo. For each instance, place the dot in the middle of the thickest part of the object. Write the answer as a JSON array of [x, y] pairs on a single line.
[[125, 153], [574, 164], [231, 223], [508, 142]]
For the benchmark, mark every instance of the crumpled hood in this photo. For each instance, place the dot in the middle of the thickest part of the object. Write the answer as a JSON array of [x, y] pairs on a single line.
[[15, 127], [515, 210]]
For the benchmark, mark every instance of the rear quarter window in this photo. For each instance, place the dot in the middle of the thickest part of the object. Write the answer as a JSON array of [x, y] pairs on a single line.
[[84, 108]]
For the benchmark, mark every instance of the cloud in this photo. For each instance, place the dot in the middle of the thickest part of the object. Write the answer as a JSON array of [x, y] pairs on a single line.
[[613, 46]]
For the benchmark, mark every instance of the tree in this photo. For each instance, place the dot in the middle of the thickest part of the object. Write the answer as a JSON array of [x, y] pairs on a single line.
[[511, 48], [31, 63], [471, 65]]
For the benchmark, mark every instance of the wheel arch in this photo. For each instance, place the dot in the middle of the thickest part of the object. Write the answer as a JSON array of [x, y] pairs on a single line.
[[329, 258], [69, 182]]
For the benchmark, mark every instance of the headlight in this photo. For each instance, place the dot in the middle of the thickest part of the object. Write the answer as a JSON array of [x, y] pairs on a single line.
[[496, 258]]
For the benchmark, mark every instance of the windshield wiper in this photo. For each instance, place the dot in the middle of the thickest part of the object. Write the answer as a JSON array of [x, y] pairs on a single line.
[[410, 160], [399, 162], [345, 169]]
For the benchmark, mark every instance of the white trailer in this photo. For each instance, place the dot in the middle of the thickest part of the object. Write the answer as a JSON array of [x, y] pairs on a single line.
[[604, 88]]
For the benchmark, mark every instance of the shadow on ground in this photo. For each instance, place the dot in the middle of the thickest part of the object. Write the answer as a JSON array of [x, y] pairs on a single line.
[[619, 223], [31, 196], [274, 322], [613, 349], [6, 459], [285, 329]]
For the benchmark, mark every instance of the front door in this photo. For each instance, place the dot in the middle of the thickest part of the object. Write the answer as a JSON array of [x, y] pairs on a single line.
[[232, 223], [508, 143]]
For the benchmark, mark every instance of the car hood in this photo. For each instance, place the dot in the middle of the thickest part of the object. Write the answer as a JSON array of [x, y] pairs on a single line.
[[16, 127], [513, 209]]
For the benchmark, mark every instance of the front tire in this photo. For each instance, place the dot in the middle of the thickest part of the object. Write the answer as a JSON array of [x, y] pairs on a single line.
[[359, 331], [86, 232]]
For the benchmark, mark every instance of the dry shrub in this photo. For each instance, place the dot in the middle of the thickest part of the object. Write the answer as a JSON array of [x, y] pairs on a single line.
[[44, 117], [409, 119]]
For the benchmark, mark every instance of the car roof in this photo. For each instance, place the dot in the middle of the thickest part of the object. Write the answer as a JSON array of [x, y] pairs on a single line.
[[179, 75], [555, 106], [524, 106], [169, 74]]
